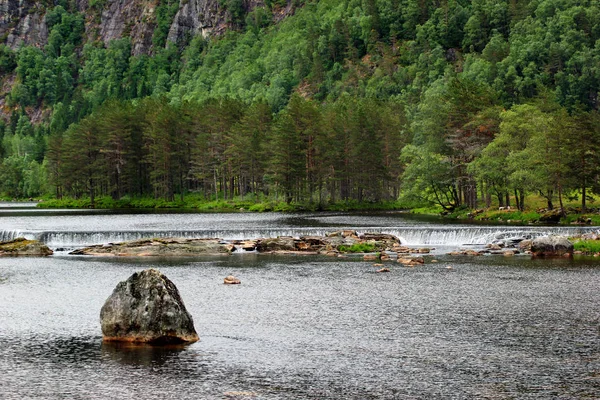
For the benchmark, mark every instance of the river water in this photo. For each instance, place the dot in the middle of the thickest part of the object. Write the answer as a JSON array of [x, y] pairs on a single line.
[[301, 327]]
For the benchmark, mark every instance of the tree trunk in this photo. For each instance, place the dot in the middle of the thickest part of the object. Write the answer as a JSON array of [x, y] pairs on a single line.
[[583, 199]]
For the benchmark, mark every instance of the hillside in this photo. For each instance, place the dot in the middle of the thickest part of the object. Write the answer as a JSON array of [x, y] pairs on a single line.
[[455, 103]]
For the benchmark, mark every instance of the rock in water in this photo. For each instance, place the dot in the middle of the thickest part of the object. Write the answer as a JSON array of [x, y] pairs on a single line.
[[147, 308], [551, 246], [24, 247], [231, 280]]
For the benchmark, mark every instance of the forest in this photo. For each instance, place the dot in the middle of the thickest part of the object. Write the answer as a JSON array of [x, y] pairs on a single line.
[[457, 103]]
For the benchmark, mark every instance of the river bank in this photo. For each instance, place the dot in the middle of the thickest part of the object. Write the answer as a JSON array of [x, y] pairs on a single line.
[[508, 215], [197, 203], [502, 215]]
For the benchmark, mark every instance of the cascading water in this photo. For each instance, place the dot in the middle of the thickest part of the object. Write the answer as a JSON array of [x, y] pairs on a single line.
[[6, 235], [468, 235], [412, 236]]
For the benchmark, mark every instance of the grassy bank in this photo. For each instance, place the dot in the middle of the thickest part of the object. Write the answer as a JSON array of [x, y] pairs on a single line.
[[534, 213], [197, 203], [587, 247], [514, 216]]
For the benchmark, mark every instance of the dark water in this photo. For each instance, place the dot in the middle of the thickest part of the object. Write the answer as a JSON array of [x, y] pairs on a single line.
[[303, 327]]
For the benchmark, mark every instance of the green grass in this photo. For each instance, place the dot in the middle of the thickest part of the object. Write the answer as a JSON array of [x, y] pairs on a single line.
[[571, 218], [195, 202], [504, 216], [357, 248], [587, 246]]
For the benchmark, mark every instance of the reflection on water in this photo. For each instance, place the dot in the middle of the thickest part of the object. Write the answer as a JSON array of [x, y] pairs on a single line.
[[140, 354]]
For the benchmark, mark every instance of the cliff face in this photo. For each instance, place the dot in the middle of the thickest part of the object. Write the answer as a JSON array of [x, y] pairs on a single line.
[[122, 18], [23, 22], [197, 17]]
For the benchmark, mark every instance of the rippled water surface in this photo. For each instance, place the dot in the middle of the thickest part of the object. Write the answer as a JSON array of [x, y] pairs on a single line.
[[301, 327]]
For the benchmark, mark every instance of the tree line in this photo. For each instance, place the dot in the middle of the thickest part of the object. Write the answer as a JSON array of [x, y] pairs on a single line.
[[457, 103], [224, 149]]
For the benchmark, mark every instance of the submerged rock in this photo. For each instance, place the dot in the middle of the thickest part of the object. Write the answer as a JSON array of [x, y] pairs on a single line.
[[466, 252], [177, 247], [231, 280], [24, 247], [147, 308], [551, 246]]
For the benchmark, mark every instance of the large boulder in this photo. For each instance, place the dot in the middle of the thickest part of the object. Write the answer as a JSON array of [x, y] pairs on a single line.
[[24, 247], [551, 246], [147, 308]]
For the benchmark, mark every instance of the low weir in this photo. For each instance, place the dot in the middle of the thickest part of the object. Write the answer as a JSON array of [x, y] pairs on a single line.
[[417, 236]]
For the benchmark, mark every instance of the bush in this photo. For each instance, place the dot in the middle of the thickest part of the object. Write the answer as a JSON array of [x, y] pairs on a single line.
[[587, 246], [357, 248]]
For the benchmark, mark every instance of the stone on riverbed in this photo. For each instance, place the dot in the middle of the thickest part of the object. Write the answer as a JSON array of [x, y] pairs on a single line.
[[231, 280], [342, 241], [173, 247], [147, 308], [24, 247], [551, 246], [281, 243]]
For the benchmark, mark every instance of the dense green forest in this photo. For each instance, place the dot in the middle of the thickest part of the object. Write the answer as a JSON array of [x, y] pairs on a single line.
[[448, 102]]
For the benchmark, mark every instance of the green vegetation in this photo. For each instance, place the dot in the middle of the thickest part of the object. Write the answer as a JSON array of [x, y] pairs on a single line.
[[197, 202], [357, 248], [587, 246], [446, 106]]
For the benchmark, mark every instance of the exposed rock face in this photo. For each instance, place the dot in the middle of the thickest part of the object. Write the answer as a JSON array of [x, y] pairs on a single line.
[[551, 246], [24, 247], [174, 247], [22, 22], [133, 18], [147, 308], [197, 17]]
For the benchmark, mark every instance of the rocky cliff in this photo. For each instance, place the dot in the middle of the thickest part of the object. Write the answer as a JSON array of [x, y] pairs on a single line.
[[23, 22]]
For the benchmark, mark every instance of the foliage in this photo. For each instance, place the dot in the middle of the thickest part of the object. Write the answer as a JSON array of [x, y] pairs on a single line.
[[446, 104], [7, 60], [357, 248], [587, 246]]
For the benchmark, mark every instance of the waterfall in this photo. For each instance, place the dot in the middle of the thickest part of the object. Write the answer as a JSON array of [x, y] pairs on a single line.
[[6, 235], [413, 236], [469, 235]]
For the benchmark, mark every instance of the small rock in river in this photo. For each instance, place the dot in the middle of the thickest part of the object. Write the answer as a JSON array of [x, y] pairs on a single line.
[[231, 280]]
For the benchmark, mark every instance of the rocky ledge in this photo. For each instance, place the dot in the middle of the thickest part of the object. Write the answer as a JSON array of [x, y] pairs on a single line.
[[147, 308], [160, 247], [331, 244], [24, 247]]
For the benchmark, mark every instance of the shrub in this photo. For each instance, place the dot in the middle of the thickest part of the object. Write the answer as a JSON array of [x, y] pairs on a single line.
[[357, 248]]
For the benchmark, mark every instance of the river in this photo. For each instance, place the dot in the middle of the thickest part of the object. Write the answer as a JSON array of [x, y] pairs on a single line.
[[301, 327]]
